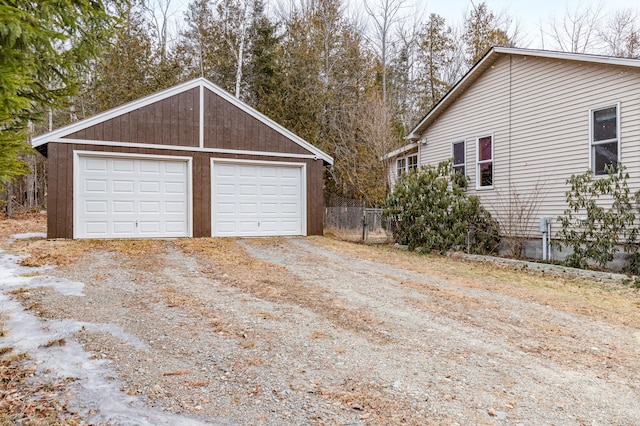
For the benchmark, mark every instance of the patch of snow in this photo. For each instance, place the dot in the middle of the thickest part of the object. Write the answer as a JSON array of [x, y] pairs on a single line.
[[95, 394], [27, 235]]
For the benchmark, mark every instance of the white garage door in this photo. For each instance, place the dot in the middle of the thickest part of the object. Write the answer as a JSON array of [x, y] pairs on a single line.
[[257, 199], [125, 197]]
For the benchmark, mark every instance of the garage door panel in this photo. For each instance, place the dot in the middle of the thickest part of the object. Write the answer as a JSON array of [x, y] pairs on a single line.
[[93, 207], [175, 168], [132, 197], [97, 229], [123, 186], [175, 207], [255, 200], [149, 227], [149, 207], [96, 185], [175, 188], [268, 172], [290, 190], [290, 208], [95, 165], [124, 228], [122, 166], [248, 227], [290, 226], [123, 207], [149, 187], [269, 190], [248, 190], [150, 167]]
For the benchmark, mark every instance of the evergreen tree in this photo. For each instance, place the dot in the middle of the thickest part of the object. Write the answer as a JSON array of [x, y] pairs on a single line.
[[46, 47], [125, 72], [263, 73], [435, 52], [481, 32]]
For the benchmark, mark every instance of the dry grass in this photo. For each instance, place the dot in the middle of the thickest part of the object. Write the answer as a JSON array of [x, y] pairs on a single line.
[[355, 236], [22, 223], [614, 302], [66, 252]]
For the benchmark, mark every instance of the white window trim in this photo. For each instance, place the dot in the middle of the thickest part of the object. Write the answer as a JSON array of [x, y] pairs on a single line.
[[405, 168], [493, 162], [464, 164], [591, 142]]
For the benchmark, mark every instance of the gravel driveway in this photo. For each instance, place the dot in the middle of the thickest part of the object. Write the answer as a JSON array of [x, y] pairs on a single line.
[[316, 331]]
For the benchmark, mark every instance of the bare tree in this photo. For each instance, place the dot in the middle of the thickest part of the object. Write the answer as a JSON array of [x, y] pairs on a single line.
[[158, 17], [385, 15], [577, 30], [621, 34], [516, 211]]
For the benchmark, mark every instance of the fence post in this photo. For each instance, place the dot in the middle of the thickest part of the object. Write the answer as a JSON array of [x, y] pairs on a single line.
[[364, 222]]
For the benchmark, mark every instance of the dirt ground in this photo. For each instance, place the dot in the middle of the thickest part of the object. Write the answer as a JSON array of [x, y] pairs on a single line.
[[317, 331]]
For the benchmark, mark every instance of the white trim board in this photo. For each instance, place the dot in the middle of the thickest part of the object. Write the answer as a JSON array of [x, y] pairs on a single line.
[[185, 148], [202, 83]]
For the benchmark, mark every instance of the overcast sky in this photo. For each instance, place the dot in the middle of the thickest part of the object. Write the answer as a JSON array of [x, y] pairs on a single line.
[[529, 14]]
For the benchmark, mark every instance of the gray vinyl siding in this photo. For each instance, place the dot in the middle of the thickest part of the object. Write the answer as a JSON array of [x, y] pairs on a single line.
[[537, 110]]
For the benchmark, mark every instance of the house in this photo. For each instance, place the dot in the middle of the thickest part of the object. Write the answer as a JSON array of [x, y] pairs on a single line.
[[522, 121], [189, 161]]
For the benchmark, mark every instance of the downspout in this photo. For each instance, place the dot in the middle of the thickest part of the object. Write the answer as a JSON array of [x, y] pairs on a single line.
[[509, 158]]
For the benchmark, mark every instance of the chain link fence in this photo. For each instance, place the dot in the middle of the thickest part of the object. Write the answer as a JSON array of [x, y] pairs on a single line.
[[353, 220]]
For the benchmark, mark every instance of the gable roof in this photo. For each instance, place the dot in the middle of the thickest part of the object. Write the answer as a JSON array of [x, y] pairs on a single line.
[[58, 135], [490, 58]]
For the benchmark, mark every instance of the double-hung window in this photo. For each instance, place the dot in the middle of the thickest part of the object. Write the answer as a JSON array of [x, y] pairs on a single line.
[[412, 162], [458, 153], [605, 139], [401, 165], [406, 164], [484, 165]]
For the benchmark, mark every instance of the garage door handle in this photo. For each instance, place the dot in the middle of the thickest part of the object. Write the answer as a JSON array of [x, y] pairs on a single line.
[[136, 223]]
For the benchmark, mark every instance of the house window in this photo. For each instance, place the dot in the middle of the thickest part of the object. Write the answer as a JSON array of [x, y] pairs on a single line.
[[412, 162], [484, 169], [605, 139], [401, 164], [406, 164], [458, 150]]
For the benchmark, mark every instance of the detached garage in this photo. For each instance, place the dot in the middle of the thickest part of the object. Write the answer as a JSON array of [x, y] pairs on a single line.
[[190, 161]]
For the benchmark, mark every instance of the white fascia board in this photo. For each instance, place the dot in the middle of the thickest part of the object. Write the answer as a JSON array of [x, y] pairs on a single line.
[[581, 57]]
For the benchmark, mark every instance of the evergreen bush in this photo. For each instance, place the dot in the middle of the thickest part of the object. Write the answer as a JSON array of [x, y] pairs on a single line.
[[430, 211]]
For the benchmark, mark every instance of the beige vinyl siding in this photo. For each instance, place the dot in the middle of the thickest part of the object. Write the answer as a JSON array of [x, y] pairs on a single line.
[[538, 112]]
